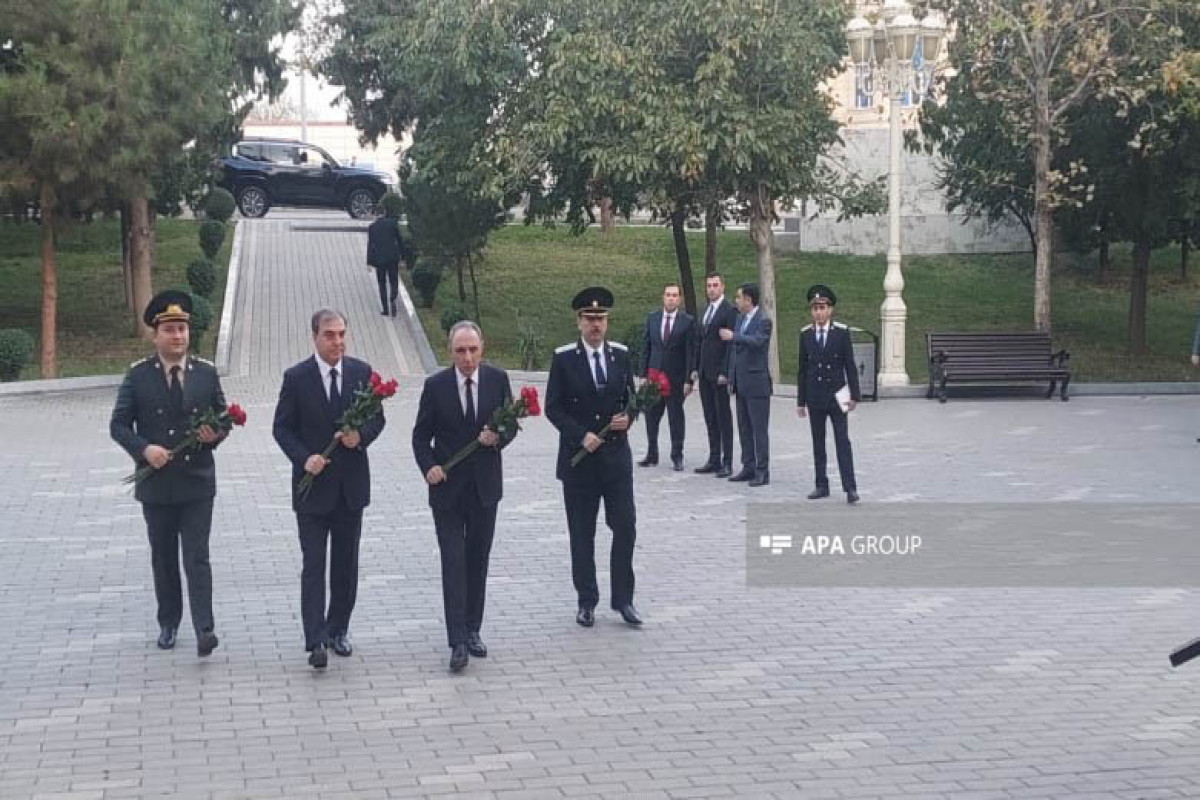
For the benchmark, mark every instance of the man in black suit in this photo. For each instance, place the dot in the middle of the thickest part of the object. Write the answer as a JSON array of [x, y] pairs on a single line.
[[669, 347], [588, 388], [750, 383], [386, 248], [455, 407], [826, 366], [711, 362], [313, 397], [155, 405]]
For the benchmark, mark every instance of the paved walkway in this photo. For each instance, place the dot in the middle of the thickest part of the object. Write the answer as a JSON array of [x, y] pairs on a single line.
[[727, 691]]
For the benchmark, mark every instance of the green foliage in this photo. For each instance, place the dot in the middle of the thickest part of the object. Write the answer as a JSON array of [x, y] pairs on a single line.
[[219, 205], [635, 337], [16, 350], [201, 321], [212, 236], [202, 276], [392, 205], [451, 316], [426, 276], [531, 346]]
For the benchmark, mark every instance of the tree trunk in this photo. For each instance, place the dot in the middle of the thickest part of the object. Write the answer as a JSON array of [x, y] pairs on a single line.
[[139, 223], [474, 288], [1138, 288], [712, 218], [761, 213], [49, 287], [127, 256], [608, 220], [1185, 247], [1102, 268], [684, 258], [1042, 212], [462, 287]]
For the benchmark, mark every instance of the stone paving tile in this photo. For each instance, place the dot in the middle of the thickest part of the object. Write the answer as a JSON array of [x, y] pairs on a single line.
[[729, 690]]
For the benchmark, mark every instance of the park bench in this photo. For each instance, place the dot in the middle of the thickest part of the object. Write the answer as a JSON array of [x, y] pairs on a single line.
[[994, 357]]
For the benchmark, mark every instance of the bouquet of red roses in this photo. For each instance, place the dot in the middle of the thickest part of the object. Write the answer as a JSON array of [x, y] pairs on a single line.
[[367, 403], [656, 387], [221, 422], [504, 419]]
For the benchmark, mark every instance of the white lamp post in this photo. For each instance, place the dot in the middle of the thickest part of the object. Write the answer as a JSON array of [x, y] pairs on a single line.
[[887, 49]]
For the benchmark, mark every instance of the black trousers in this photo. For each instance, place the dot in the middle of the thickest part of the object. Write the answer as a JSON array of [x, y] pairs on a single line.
[[465, 535], [340, 532], [754, 417], [841, 439], [673, 408], [718, 418], [390, 273], [583, 505], [168, 526]]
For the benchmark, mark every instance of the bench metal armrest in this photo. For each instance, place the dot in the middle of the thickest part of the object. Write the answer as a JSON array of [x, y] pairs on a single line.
[[1060, 358]]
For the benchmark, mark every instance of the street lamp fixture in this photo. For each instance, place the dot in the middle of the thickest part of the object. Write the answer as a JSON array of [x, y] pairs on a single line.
[[903, 51]]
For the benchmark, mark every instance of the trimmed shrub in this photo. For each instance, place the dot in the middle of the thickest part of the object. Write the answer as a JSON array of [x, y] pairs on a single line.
[[635, 335], [212, 236], [201, 321], [202, 276], [16, 350], [451, 316], [392, 205], [219, 205], [426, 276], [530, 344]]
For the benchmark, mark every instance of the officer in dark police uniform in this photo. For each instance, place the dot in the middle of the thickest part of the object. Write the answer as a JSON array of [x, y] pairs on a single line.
[[588, 387], [826, 366], [155, 406]]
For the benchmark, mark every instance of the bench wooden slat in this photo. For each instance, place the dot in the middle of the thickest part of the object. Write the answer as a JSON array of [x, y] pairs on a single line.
[[996, 357]]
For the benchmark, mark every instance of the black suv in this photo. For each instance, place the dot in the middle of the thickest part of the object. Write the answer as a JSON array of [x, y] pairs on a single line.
[[265, 172]]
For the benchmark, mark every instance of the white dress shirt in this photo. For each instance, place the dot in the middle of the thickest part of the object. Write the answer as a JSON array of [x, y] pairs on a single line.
[[462, 389], [341, 379]]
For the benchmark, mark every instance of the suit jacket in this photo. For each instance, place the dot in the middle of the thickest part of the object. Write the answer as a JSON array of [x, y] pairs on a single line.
[[305, 423], [385, 245], [441, 431], [712, 352], [823, 372], [747, 370], [674, 356], [576, 407], [144, 415]]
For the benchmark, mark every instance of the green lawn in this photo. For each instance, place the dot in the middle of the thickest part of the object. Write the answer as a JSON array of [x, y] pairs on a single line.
[[94, 327], [536, 271]]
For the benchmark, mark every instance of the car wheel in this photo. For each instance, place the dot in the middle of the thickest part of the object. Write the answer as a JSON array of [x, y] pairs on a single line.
[[253, 202], [360, 203]]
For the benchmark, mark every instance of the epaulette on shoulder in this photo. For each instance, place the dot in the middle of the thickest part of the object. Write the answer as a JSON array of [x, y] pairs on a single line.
[[841, 325], [205, 361], [618, 345], [139, 362], [806, 328], [565, 348]]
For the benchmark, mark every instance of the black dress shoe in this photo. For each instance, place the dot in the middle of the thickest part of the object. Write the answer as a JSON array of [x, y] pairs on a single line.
[[707, 469], [649, 461], [318, 658], [475, 646], [817, 494], [384, 312], [459, 658], [677, 464], [630, 614], [340, 645], [393, 306], [166, 637], [744, 475], [761, 479], [851, 497], [206, 642], [585, 617], [724, 472]]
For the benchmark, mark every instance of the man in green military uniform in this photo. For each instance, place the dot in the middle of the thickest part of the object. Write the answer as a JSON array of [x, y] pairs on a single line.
[[155, 404], [588, 389]]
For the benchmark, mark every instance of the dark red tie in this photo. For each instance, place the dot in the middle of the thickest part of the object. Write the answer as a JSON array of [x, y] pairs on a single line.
[[667, 330]]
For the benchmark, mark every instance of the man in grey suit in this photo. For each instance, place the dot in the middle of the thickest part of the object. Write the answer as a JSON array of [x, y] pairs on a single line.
[[750, 383]]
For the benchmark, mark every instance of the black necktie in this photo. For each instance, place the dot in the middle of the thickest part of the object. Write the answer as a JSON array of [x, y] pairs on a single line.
[[821, 338], [335, 396], [601, 378], [175, 391], [470, 404]]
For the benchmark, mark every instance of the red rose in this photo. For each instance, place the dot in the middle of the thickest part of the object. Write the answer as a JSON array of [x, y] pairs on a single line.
[[237, 414], [658, 378], [530, 395], [375, 379], [390, 387], [378, 389]]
